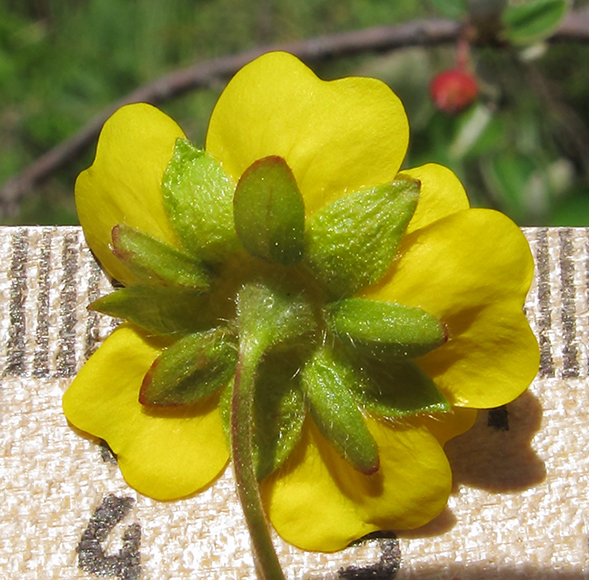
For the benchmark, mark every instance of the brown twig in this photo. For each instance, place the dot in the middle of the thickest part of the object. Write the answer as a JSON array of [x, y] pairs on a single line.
[[383, 38]]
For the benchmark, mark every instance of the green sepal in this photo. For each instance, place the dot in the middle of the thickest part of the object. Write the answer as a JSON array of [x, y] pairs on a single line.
[[278, 414], [189, 370], [270, 324], [267, 317], [327, 381], [155, 262], [160, 310], [269, 212], [198, 197], [351, 242], [397, 389], [384, 329]]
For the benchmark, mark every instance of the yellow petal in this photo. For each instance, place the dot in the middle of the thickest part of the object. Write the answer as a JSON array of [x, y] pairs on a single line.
[[162, 454], [489, 362], [123, 185], [448, 425], [317, 501], [337, 136], [472, 269], [441, 194]]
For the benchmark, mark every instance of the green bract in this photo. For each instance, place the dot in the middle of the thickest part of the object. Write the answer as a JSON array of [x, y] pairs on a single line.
[[384, 330], [197, 197], [158, 309], [155, 262], [279, 411], [327, 386], [190, 369], [269, 212], [352, 241], [260, 292]]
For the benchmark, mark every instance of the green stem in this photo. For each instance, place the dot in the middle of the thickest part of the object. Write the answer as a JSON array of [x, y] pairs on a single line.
[[267, 563]]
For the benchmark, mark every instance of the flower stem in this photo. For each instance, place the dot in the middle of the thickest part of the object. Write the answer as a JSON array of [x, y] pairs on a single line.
[[267, 563]]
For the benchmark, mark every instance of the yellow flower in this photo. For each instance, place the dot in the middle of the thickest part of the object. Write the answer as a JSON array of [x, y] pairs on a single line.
[[471, 268]]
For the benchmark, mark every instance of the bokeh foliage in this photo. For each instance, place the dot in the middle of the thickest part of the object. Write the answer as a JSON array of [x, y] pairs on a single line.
[[523, 148]]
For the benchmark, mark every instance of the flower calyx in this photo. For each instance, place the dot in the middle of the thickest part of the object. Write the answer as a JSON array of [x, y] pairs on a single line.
[[257, 299], [198, 198]]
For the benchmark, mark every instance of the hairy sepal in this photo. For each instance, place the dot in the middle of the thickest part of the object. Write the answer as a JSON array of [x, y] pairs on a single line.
[[155, 262], [198, 197], [326, 382], [268, 317], [269, 212], [189, 370], [159, 310], [397, 389], [351, 243], [384, 330], [278, 414]]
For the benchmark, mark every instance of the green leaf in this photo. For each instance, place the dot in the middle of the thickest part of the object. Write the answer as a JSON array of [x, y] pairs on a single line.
[[189, 370], [278, 414], [269, 212], [158, 309], [383, 329], [534, 20], [153, 261], [268, 317], [455, 9], [352, 242], [198, 197], [398, 389], [327, 382]]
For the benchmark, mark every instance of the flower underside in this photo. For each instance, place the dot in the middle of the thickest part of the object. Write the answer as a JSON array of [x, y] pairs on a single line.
[[256, 288], [290, 287]]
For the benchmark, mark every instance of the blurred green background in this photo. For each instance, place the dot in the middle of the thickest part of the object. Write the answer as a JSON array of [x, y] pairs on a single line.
[[523, 147]]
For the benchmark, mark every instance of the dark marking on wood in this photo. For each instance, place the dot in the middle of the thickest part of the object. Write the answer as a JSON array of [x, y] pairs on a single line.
[[126, 564]]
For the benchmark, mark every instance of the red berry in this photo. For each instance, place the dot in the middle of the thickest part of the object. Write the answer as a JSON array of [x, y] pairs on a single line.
[[453, 90]]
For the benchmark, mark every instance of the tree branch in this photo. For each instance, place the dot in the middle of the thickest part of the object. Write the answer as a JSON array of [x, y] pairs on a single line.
[[379, 39]]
